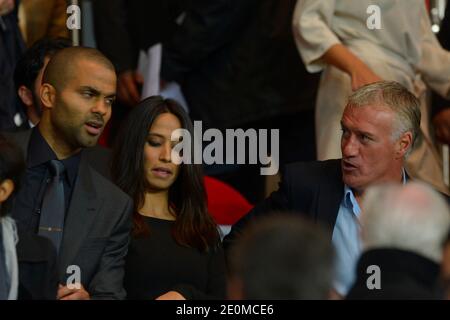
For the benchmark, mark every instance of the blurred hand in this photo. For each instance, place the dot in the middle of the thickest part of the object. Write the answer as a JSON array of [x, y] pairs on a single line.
[[64, 293], [441, 123], [128, 87], [361, 75], [171, 295], [6, 6], [334, 295]]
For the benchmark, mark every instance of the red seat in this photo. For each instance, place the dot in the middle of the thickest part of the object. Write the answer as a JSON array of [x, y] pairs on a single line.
[[225, 203]]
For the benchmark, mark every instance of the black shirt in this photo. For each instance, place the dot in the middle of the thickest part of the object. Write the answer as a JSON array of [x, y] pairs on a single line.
[[27, 206], [157, 264]]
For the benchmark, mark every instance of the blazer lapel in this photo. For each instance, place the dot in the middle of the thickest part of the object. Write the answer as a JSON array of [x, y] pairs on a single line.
[[83, 209], [330, 196]]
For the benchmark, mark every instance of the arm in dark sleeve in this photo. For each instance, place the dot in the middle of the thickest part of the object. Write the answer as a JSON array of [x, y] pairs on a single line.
[[207, 26], [216, 286], [108, 281], [112, 35]]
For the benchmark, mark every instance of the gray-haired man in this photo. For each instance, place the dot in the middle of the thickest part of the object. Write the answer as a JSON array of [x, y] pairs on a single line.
[[379, 126]]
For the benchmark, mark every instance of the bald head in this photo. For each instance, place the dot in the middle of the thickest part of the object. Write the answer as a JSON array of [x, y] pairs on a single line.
[[77, 92], [64, 65]]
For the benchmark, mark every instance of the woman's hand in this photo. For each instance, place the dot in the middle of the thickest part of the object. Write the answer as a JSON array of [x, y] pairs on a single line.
[[171, 295], [343, 59], [361, 75]]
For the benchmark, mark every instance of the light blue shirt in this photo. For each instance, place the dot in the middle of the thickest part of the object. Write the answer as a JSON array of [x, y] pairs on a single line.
[[346, 241]]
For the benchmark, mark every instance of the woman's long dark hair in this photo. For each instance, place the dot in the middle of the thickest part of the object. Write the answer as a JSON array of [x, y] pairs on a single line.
[[193, 226]]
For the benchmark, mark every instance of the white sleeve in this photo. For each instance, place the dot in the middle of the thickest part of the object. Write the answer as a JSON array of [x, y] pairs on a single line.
[[312, 31], [434, 65]]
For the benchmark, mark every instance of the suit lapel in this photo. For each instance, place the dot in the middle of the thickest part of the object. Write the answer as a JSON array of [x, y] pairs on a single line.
[[83, 209], [330, 196]]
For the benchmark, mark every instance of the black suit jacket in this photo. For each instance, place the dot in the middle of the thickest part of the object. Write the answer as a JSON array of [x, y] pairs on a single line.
[[237, 62], [314, 189], [138, 24], [38, 273], [96, 229], [403, 275]]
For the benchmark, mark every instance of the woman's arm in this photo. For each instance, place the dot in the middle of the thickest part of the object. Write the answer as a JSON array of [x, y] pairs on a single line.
[[342, 58]]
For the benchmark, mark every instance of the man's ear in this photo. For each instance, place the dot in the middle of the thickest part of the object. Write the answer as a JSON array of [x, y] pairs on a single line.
[[48, 95], [404, 143], [25, 95], [6, 188]]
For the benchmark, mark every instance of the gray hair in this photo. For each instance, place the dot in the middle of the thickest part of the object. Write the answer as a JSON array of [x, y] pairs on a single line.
[[396, 97], [414, 217]]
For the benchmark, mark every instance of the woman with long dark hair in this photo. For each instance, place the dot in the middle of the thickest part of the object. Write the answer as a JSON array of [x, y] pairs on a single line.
[[175, 251]]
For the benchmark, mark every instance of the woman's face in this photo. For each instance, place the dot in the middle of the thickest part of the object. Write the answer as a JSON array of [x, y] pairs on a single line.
[[160, 170]]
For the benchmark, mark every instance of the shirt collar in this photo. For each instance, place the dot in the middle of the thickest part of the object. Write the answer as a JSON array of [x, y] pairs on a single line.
[[39, 153], [350, 200], [71, 164], [404, 176]]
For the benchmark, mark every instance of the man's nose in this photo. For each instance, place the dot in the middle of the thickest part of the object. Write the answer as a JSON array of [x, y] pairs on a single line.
[[101, 107], [349, 146]]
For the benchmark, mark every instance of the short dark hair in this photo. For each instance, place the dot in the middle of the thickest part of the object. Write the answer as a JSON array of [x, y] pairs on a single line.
[[32, 61], [283, 256], [63, 65], [12, 166]]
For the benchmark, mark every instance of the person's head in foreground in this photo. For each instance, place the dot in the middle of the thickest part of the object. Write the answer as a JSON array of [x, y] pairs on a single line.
[[281, 257], [403, 229]]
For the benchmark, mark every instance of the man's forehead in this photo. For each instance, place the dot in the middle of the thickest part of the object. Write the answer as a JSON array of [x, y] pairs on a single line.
[[92, 75], [368, 116], [367, 111], [90, 68]]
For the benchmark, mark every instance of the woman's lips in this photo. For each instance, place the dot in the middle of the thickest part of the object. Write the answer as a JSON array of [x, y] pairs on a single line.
[[162, 172]]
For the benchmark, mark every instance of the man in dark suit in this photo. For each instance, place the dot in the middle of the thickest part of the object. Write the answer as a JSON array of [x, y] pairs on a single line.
[[28, 76], [238, 67], [139, 24], [379, 126], [64, 198]]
